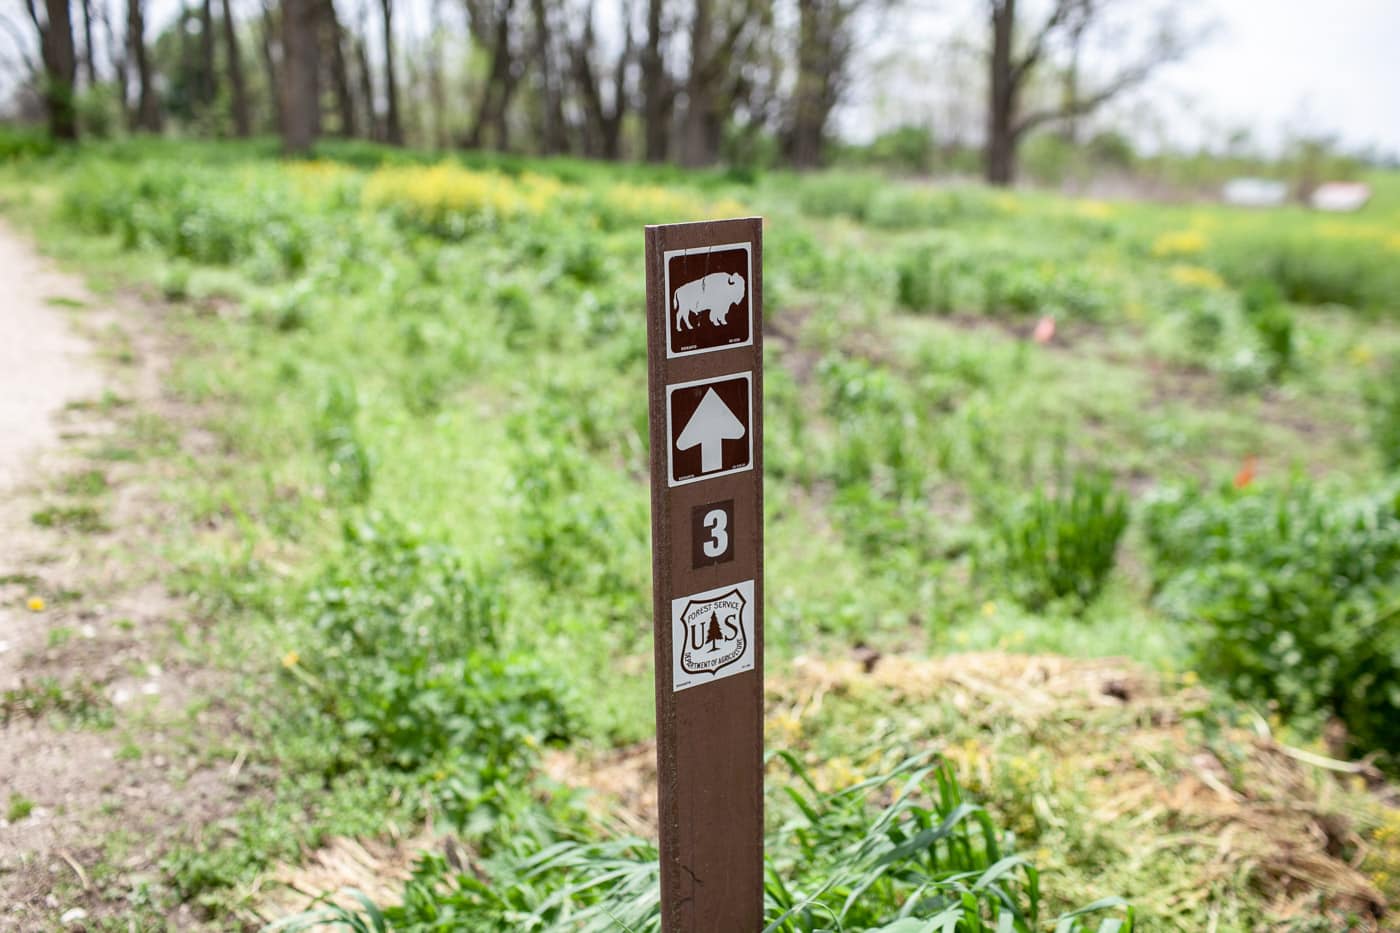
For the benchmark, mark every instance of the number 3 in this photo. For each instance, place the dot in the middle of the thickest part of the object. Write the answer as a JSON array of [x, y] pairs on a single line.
[[718, 523]]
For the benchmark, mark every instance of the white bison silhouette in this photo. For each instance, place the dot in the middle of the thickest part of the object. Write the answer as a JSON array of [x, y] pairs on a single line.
[[715, 293]]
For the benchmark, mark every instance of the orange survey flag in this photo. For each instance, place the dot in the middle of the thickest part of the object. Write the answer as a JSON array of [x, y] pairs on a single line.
[[1247, 472]]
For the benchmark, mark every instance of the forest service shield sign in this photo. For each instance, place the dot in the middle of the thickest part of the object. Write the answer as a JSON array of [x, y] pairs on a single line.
[[712, 635]]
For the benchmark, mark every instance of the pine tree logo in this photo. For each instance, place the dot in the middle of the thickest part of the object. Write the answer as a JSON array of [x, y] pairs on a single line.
[[713, 633]]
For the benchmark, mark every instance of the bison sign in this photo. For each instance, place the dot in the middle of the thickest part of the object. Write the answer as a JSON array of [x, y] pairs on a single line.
[[709, 305], [714, 294]]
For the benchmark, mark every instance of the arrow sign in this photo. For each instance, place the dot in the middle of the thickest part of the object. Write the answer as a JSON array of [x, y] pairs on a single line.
[[704, 419], [711, 425]]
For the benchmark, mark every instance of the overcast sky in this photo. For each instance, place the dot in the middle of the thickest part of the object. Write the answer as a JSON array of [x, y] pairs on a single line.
[[1276, 67], [1330, 65]]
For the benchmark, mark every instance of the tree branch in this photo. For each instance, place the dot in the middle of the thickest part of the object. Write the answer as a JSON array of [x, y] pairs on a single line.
[[1058, 16], [21, 46], [1085, 105]]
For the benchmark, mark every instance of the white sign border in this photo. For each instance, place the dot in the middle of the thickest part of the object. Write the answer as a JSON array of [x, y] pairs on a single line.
[[671, 480], [666, 257], [682, 680]]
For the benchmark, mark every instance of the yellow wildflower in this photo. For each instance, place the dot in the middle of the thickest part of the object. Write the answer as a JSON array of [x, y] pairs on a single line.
[[989, 608], [436, 193], [36, 604], [837, 775], [1007, 204], [785, 728], [290, 659], [1179, 243], [1196, 277], [1094, 210]]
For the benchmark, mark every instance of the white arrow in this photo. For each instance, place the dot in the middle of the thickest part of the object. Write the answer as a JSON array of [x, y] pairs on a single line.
[[711, 425]]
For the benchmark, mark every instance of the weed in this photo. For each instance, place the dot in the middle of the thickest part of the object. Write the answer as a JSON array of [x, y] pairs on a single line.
[[1060, 543], [1383, 400], [19, 807], [84, 519], [84, 483], [349, 467], [78, 700], [116, 453]]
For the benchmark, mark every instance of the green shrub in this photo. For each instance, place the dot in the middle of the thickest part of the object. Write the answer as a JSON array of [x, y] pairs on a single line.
[[407, 659], [907, 207], [833, 194], [916, 283], [907, 149], [349, 466], [1272, 322], [17, 144], [196, 213], [1311, 269], [1293, 596], [1059, 543], [1383, 400], [879, 447]]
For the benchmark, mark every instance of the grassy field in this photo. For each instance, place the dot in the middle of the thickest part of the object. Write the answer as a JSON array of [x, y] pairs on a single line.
[[1008, 434]]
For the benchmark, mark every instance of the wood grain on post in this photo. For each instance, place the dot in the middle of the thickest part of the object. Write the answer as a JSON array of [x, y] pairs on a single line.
[[705, 367]]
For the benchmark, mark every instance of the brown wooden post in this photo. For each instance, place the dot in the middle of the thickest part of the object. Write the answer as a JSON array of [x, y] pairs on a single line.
[[705, 342]]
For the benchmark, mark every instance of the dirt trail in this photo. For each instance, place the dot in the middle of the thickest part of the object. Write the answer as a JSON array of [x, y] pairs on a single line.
[[43, 364], [98, 766]]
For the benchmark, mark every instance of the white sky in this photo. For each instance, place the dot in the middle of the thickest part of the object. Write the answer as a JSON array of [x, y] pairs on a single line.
[[1276, 67], [1312, 65]]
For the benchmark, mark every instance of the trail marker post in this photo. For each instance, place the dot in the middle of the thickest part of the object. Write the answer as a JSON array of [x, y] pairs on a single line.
[[705, 365]]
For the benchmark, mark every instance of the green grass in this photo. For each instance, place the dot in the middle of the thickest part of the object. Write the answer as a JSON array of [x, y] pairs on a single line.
[[18, 808], [421, 528], [84, 519]]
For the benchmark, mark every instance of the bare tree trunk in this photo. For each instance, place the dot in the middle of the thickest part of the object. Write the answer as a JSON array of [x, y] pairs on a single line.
[[393, 130], [822, 57], [551, 99], [493, 112], [89, 52], [242, 122], [148, 116], [119, 66], [208, 80], [1001, 111], [60, 68], [373, 127], [602, 126], [270, 32], [437, 89], [301, 101], [698, 148], [656, 88], [340, 71]]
